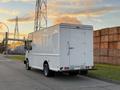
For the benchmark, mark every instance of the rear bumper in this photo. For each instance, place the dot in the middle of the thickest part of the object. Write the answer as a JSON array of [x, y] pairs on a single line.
[[75, 68]]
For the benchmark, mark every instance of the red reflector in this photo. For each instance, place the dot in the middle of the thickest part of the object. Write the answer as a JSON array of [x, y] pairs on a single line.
[[66, 68]]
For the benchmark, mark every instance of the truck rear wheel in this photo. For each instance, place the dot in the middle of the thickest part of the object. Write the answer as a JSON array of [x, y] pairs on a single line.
[[27, 65], [83, 72], [47, 71]]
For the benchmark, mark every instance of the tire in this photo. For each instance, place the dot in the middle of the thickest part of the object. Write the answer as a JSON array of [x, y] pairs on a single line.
[[47, 71], [73, 73], [83, 72], [27, 65]]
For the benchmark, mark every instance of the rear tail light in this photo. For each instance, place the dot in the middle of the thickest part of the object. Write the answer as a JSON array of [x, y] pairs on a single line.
[[66, 68]]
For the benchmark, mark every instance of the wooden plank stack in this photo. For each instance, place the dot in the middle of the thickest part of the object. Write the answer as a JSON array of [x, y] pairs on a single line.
[[107, 46]]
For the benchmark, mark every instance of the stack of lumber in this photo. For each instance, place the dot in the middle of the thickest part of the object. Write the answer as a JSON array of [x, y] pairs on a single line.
[[107, 46]]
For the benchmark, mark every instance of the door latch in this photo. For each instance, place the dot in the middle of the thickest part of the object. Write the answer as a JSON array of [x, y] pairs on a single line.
[[69, 48], [68, 43]]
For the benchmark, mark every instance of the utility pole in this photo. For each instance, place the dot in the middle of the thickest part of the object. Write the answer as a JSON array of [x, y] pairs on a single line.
[[16, 31], [40, 15], [6, 43]]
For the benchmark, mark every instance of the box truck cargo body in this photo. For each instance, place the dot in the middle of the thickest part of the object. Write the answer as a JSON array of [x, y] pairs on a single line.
[[63, 47]]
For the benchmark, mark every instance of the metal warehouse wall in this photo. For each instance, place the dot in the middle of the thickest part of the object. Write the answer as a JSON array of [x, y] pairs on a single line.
[[107, 46]]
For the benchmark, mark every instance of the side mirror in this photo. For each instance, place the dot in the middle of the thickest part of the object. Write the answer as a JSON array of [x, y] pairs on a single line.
[[30, 47]]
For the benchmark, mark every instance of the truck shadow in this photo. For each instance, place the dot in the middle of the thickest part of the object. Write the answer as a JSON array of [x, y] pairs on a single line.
[[61, 76]]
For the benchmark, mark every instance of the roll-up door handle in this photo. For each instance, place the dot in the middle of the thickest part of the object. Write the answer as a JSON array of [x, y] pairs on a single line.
[[68, 43], [71, 48]]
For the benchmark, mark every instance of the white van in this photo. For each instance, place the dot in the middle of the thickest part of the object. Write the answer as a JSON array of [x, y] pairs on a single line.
[[61, 48]]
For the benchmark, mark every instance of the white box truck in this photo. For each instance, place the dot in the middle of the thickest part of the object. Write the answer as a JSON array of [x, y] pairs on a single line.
[[61, 48]]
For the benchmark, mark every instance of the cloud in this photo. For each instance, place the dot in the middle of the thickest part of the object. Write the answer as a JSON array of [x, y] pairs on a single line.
[[80, 8], [11, 35], [104, 10], [26, 18], [71, 10], [9, 12], [92, 12], [66, 19], [6, 1], [88, 9], [21, 19], [1, 27]]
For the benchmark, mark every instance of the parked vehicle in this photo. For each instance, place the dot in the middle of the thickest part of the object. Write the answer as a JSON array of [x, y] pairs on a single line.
[[61, 48]]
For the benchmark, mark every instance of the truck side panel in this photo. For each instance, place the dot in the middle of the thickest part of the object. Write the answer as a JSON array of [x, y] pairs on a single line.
[[45, 47], [89, 48]]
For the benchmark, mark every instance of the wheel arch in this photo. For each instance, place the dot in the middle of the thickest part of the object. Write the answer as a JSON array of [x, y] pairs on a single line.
[[45, 62], [25, 61]]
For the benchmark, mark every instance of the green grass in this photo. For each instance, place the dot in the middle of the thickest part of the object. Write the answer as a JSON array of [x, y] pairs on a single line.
[[106, 71], [16, 57]]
